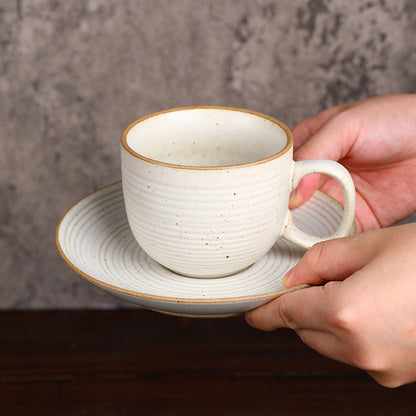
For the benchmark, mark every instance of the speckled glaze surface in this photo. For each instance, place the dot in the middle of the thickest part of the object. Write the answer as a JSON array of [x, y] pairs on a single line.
[[207, 188], [95, 240]]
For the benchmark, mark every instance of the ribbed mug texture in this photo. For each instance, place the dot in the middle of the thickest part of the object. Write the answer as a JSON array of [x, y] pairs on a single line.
[[206, 189], [206, 223]]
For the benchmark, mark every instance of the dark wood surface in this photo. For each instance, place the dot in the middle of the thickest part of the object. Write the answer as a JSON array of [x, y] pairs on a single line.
[[134, 362]]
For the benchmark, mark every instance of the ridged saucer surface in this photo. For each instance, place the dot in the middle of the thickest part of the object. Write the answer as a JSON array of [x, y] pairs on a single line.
[[95, 240]]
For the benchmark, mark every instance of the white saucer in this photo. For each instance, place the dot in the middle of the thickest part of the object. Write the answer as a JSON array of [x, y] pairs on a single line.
[[94, 239]]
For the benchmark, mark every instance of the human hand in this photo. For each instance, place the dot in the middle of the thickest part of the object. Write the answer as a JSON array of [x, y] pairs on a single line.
[[375, 139], [364, 314]]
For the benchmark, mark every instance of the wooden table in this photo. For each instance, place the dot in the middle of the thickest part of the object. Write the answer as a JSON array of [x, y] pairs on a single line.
[[134, 362]]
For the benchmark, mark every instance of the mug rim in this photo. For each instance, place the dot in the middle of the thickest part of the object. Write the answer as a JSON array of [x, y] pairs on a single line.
[[286, 148]]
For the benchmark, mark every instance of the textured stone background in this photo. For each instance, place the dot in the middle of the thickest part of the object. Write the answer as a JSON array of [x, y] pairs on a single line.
[[74, 73]]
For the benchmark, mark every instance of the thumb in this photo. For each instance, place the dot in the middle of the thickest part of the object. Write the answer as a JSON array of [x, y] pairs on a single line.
[[292, 310], [309, 126], [333, 140], [334, 259]]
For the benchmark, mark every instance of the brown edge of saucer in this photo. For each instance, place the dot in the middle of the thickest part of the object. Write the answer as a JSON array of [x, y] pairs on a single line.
[[166, 298], [288, 146]]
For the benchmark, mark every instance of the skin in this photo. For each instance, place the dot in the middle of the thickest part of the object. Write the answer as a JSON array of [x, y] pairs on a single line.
[[375, 140], [361, 307]]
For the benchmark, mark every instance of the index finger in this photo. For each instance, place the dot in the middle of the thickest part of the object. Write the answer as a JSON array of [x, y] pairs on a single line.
[[302, 309], [306, 128]]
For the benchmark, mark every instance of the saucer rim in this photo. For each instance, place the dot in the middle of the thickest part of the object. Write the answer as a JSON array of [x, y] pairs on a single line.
[[142, 295]]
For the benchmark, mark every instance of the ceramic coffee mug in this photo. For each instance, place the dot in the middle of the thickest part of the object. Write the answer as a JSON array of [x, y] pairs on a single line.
[[206, 189]]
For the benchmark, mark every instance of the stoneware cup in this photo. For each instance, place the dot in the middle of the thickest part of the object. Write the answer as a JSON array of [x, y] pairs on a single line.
[[206, 189]]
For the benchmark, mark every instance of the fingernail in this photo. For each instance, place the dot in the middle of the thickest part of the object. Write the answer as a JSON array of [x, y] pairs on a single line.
[[294, 199], [286, 278]]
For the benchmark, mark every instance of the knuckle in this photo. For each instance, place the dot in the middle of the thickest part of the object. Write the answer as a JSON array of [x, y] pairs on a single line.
[[343, 310], [346, 318], [286, 317], [342, 315], [317, 256]]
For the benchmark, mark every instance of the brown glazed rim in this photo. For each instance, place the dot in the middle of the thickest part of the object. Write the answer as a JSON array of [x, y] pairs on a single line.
[[288, 146]]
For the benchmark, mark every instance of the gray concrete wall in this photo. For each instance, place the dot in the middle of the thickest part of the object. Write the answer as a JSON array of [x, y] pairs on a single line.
[[74, 73]]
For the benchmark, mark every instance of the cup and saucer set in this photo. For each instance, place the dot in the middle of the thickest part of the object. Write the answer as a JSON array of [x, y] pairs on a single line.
[[199, 225]]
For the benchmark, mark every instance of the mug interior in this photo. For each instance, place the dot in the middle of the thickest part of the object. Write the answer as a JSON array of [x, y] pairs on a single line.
[[207, 137]]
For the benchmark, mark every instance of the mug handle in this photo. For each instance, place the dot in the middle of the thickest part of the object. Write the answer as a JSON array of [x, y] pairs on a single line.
[[341, 175]]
